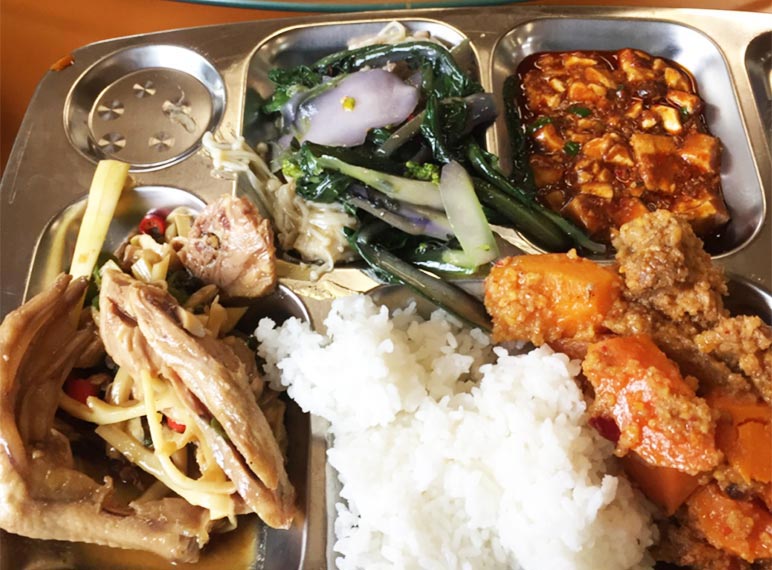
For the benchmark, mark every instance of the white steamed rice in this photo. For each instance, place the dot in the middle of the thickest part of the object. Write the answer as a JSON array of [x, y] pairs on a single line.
[[447, 461]]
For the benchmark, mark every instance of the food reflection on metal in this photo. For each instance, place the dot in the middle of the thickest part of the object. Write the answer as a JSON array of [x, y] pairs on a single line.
[[179, 111]]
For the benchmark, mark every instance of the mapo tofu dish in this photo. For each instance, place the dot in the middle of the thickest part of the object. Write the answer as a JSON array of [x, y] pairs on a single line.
[[683, 389], [614, 135]]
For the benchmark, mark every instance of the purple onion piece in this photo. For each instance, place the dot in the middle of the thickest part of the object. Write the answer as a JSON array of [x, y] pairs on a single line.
[[342, 115], [413, 220]]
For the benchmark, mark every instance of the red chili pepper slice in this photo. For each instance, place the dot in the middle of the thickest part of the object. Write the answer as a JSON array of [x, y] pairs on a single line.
[[153, 225], [606, 427], [80, 389], [172, 425]]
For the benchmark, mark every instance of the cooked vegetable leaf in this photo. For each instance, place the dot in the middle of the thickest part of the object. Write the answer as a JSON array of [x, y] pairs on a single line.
[[580, 111], [395, 270], [378, 136], [417, 192], [572, 148], [432, 131], [288, 82], [538, 123], [521, 167], [312, 181], [449, 79]]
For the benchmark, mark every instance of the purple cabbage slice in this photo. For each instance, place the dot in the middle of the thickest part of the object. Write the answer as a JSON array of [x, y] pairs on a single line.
[[342, 115]]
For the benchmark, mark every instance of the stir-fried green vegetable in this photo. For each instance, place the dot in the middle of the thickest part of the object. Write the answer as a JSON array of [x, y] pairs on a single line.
[[392, 269], [518, 145], [412, 175], [449, 80], [288, 82]]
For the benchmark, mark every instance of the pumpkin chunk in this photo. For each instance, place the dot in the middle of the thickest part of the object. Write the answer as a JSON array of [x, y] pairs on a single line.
[[744, 435], [657, 412], [664, 486], [743, 528], [544, 298]]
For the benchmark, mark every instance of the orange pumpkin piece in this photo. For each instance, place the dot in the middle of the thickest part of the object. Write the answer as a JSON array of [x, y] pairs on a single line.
[[743, 528], [744, 435], [657, 412], [544, 298], [664, 486]]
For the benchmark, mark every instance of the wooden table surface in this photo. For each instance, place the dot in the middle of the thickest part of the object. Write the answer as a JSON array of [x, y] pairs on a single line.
[[36, 33]]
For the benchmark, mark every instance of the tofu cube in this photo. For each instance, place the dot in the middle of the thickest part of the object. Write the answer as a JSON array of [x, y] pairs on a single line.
[[577, 60], [628, 209], [588, 211], [676, 80], [580, 91], [691, 103], [600, 77], [658, 161], [669, 117], [702, 151], [705, 210], [602, 189], [618, 154], [548, 138], [545, 170]]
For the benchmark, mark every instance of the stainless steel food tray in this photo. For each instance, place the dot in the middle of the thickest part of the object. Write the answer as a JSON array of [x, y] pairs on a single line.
[[148, 99]]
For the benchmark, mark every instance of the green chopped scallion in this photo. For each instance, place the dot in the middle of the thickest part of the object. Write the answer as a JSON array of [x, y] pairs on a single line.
[[572, 148], [580, 111], [539, 123]]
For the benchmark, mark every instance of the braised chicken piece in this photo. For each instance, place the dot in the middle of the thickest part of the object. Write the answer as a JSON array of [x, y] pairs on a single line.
[[42, 494], [666, 269], [231, 246], [614, 135], [680, 542], [145, 329], [745, 345], [677, 341], [682, 389]]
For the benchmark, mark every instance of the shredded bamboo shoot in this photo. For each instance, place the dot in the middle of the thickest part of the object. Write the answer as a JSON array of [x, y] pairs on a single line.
[[106, 187]]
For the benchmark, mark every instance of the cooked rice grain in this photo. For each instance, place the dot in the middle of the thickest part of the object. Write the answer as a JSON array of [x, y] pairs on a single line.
[[446, 462]]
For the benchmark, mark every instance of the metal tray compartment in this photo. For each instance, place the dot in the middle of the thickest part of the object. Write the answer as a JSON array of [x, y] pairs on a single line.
[[758, 61], [57, 240], [252, 545], [304, 45], [147, 105], [692, 49]]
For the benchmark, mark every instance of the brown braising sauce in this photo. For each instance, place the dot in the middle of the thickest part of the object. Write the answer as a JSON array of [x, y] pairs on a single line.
[[615, 134]]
